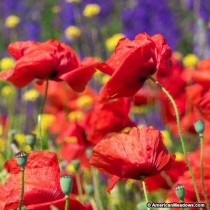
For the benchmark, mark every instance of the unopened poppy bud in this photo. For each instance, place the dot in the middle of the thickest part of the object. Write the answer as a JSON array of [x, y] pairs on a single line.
[[76, 164], [180, 192], [31, 139], [66, 183], [199, 126], [22, 159]]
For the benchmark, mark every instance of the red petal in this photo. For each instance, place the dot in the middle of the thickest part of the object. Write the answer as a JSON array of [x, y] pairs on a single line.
[[112, 182]]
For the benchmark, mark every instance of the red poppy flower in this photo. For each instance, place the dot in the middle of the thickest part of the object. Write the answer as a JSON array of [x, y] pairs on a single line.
[[201, 75], [140, 152], [131, 64], [42, 184], [47, 60], [107, 118], [199, 96]]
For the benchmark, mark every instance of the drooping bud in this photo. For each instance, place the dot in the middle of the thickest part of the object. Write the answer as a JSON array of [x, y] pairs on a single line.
[[66, 183], [22, 159], [199, 126], [180, 192]]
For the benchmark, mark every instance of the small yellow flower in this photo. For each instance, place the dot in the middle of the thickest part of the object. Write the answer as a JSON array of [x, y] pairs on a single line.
[[21, 138], [56, 9], [190, 60], [73, 1], [85, 101], [179, 156], [6, 63], [75, 115], [70, 168], [12, 21], [26, 148], [112, 41], [47, 120], [8, 91], [31, 95], [71, 139], [91, 10], [72, 32], [167, 138]]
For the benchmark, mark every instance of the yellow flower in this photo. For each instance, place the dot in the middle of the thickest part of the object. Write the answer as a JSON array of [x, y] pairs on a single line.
[[2, 144], [21, 138], [70, 168], [91, 10], [72, 32], [112, 41], [26, 148], [190, 60], [179, 156], [11, 21], [8, 90], [31, 95], [85, 101], [6, 63], [47, 120], [75, 115], [56, 9], [167, 138], [73, 1]]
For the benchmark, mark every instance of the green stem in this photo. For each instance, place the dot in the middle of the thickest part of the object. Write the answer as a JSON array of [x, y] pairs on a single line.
[[96, 188], [79, 184], [145, 192], [40, 114], [202, 170], [22, 189], [66, 202], [180, 135]]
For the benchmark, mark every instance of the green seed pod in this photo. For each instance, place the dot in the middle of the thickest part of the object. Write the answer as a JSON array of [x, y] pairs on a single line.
[[66, 183], [180, 192], [22, 159], [199, 126]]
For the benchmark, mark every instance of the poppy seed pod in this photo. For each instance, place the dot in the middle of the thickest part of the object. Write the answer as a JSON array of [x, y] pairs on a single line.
[[22, 159], [199, 126], [180, 192], [66, 183]]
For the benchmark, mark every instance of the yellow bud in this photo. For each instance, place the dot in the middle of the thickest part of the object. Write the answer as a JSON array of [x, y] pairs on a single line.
[[91, 10], [31, 95], [6, 63], [190, 60], [112, 41], [12, 21], [72, 32]]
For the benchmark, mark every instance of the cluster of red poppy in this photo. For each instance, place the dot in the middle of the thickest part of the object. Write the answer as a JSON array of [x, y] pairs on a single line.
[[138, 153]]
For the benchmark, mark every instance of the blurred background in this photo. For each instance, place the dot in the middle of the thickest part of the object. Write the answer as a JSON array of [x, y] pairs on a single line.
[[93, 26]]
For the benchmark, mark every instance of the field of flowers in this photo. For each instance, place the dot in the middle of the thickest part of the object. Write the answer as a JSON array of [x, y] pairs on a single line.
[[104, 105]]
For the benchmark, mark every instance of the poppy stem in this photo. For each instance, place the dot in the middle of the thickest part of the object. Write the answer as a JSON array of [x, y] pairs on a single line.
[[202, 170], [145, 191], [180, 135], [22, 189], [79, 184], [40, 114], [96, 188], [66, 202]]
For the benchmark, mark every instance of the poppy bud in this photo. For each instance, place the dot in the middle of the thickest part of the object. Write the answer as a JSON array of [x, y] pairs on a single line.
[[31, 139], [66, 183], [22, 159], [199, 126], [76, 164], [180, 192]]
